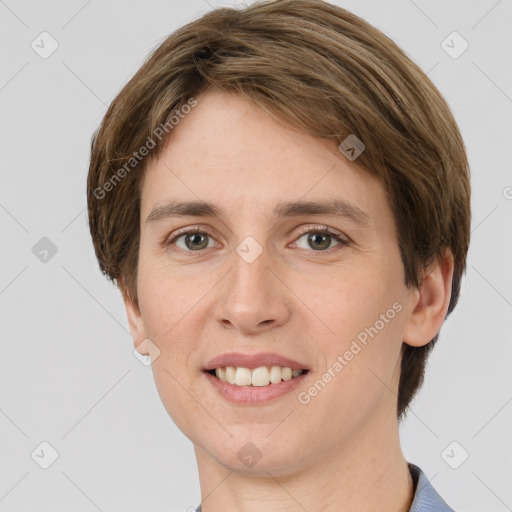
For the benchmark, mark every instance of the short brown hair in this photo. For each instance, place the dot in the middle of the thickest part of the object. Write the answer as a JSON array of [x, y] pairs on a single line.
[[320, 69]]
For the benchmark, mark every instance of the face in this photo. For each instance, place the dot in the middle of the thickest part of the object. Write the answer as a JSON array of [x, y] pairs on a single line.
[[254, 277]]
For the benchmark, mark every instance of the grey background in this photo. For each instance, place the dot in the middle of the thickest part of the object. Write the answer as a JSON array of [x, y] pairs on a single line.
[[68, 374]]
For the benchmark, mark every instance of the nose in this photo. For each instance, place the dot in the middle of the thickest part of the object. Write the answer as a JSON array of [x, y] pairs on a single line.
[[253, 297]]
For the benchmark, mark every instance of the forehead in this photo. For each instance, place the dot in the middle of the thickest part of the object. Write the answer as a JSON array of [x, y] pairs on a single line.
[[228, 151]]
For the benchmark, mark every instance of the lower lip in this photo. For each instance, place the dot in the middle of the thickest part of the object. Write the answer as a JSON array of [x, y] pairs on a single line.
[[254, 394]]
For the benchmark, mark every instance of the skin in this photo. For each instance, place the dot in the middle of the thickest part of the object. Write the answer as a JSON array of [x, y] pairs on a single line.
[[341, 451]]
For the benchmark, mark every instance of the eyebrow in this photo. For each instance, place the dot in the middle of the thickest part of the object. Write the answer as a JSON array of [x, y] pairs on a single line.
[[334, 207]]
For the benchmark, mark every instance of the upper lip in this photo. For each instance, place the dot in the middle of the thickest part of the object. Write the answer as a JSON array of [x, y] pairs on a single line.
[[252, 361]]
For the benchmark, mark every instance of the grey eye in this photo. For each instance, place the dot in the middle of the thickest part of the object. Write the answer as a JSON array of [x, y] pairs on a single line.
[[317, 240], [194, 241]]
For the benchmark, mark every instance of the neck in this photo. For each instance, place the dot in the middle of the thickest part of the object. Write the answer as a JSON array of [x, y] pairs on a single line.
[[369, 472]]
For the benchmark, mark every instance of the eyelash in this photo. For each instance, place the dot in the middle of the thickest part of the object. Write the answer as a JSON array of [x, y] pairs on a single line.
[[314, 229]]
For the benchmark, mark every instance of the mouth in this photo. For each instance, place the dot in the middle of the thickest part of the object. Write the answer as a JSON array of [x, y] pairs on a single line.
[[250, 379], [255, 377], [257, 386]]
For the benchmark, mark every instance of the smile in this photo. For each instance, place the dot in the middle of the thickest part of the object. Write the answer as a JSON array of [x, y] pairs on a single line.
[[261, 376], [250, 394]]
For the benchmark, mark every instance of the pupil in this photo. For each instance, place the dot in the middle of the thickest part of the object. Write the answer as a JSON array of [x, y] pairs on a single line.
[[196, 240], [322, 237]]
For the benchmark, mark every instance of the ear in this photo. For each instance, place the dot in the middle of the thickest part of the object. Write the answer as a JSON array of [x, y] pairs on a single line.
[[431, 302], [135, 322]]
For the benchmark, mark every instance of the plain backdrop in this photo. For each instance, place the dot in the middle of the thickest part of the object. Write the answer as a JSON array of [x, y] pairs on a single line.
[[68, 374]]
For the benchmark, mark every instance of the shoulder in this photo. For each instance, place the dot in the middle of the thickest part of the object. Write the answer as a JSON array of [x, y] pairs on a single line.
[[426, 498]]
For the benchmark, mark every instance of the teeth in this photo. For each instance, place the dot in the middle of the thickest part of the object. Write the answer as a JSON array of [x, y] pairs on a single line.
[[230, 374], [275, 374], [242, 376], [220, 372], [286, 373], [261, 376]]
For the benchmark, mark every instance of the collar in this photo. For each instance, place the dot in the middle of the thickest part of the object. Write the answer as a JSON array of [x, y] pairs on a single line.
[[426, 498]]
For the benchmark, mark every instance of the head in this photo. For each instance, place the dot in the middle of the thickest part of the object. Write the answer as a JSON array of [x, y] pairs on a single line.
[[246, 109]]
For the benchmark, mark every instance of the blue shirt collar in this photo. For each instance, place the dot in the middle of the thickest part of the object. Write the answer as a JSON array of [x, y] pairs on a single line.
[[426, 498]]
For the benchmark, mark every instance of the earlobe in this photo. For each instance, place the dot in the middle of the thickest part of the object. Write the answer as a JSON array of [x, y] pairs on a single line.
[[433, 299], [136, 324]]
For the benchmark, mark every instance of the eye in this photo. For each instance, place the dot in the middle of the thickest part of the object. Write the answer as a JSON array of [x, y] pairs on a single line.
[[320, 238], [193, 239]]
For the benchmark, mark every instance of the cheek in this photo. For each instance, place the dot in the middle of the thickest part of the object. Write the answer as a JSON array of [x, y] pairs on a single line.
[[167, 310], [357, 378], [170, 306], [170, 327], [360, 324], [346, 299], [165, 299]]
